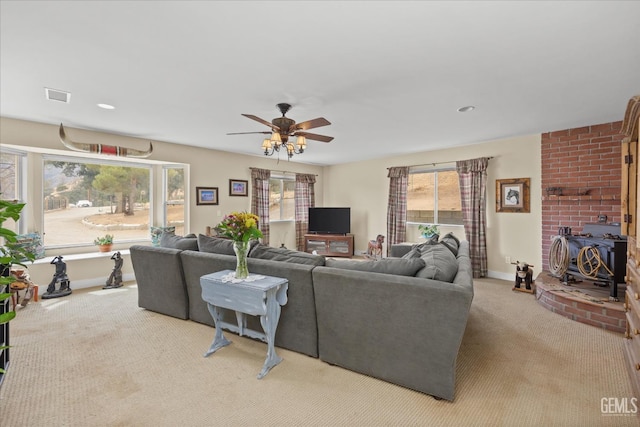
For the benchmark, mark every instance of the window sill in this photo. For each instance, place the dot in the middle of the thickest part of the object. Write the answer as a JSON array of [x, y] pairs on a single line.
[[78, 257]]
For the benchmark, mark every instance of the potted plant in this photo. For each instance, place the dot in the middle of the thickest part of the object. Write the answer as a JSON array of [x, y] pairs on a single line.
[[10, 254], [104, 243], [428, 230]]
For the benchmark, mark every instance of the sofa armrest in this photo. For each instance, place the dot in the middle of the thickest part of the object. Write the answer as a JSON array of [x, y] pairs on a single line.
[[160, 279]]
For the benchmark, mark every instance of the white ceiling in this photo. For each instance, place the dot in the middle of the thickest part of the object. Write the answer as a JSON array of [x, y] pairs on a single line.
[[389, 76]]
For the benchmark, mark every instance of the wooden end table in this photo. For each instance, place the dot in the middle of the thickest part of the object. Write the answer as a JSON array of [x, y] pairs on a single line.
[[258, 296]]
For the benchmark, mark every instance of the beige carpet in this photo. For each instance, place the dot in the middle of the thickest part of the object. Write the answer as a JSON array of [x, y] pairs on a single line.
[[95, 359]]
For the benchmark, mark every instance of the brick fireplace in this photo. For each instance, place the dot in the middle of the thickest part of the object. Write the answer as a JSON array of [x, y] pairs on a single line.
[[581, 180], [580, 160]]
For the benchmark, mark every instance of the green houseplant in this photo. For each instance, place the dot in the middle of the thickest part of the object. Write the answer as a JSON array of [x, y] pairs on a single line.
[[104, 243], [10, 254], [428, 230]]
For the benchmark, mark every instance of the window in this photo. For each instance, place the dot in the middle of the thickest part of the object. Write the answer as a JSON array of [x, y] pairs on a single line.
[[433, 197], [174, 187], [11, 170], [281, 199], [87, 199]]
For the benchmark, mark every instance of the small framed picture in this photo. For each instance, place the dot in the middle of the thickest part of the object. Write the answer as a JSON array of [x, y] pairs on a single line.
[[512, 195], [238, 187], [206, 195]]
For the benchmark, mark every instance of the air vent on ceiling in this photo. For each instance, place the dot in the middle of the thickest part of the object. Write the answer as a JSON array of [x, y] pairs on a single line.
[[57, 95]]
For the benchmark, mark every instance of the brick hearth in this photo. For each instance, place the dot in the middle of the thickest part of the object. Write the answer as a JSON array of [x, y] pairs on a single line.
[[558, 298]]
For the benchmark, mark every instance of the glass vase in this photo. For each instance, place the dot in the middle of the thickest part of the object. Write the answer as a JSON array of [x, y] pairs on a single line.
[[242, 250]]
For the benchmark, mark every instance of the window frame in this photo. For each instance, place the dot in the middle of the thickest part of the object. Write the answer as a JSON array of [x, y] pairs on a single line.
[[281, 178], [165, 196], [433, 169], [99, 161], [20, 187]]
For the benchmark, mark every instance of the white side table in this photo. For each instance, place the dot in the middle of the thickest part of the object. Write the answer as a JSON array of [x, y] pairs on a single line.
[[263, 297]]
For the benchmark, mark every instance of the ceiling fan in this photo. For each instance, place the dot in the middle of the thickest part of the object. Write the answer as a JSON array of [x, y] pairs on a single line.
[[282, 128]]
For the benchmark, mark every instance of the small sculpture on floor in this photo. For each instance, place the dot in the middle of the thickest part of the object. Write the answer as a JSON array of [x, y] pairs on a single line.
[[523, 273], [60, 278], [115, 278], [374, 249], [22, 283]]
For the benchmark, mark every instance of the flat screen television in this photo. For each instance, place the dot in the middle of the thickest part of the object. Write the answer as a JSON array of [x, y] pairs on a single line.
[[330, 220]]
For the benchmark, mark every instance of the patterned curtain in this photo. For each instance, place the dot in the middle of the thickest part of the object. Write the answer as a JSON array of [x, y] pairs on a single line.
[[397, 207], [473, 195], [305, 198], [260, 200]]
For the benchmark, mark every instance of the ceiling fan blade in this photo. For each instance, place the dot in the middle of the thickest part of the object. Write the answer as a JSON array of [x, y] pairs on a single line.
[[310, 124], [315, 136], [264, 122], [245, 133]]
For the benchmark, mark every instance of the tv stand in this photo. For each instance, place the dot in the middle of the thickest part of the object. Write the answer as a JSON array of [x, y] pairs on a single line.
[[337, 245]]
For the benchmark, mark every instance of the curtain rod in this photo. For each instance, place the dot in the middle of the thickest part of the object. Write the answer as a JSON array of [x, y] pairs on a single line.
[[433, 164], [274, 170]]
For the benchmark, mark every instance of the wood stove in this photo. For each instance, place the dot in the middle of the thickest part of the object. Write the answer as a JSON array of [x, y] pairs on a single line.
[[599, 253]]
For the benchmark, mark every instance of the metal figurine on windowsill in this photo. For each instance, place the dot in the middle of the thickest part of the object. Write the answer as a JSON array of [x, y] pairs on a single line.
[[60, 279], [115, 279]]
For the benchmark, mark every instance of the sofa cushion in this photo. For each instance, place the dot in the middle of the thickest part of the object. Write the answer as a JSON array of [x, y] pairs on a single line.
[[170, 240], [285, 255], [215, 245], [413, 253], [396, 266], [451, 242], [440, 262]]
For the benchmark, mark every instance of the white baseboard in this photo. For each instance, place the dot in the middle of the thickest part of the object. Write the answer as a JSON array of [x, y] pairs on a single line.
[[95, 281], [502, 276]]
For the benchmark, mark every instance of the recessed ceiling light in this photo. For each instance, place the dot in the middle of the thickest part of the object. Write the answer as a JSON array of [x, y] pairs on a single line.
[[466, 109], [107, 106]]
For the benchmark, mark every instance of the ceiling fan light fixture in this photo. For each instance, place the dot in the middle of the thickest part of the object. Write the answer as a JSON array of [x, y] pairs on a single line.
[[283, 129], [275, 138], [302, 142]]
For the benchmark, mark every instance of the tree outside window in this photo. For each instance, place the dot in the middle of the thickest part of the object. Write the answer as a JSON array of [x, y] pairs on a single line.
[[85, 199]]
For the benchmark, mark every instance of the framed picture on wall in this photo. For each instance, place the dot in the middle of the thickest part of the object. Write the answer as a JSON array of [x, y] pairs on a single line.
[[512, 195], [206, 195], [238, 187]]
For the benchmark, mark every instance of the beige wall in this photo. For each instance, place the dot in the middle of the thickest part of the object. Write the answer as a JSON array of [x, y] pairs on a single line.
[[208, 168], [363, 186]]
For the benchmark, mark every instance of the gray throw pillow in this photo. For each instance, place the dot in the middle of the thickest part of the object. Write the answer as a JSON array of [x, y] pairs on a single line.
[[285, 255], [413, 253], [433, 240], [440, 262], [170, 240], [396, 266], [451, 242], [215, 245]]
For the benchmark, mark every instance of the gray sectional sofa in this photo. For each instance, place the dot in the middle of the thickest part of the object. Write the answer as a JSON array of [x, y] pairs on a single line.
[[394, 319]]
